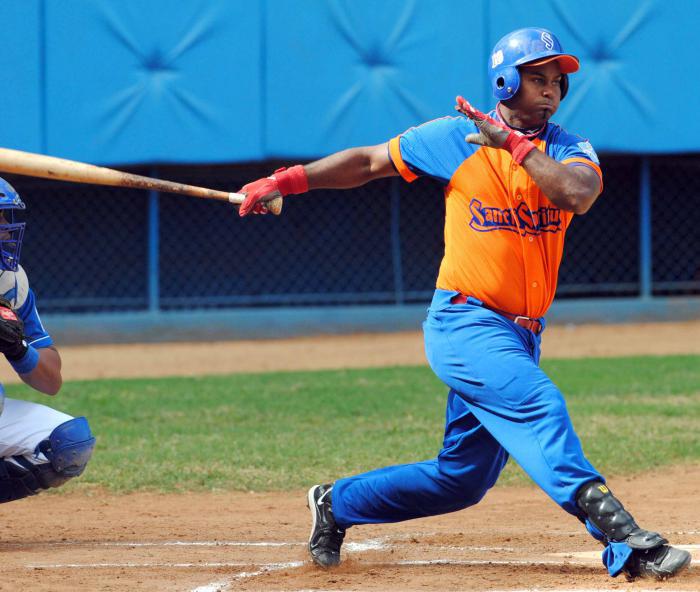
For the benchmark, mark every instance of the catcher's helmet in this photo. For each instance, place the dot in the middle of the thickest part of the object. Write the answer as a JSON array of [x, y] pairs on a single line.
[[11, 232], [529, 46]]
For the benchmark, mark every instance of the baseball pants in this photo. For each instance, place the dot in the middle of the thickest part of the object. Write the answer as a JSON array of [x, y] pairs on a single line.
[[23, 425], [500, 403]]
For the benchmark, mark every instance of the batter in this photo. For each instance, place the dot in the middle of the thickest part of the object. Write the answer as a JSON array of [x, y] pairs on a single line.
[[513, 181]]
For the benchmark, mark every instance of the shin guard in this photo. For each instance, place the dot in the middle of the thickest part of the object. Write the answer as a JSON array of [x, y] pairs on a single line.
[[607, 514]]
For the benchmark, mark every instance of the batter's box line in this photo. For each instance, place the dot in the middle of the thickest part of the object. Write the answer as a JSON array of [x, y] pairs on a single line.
[[351, 546], [591, 561], [224, 585], [150, 544]]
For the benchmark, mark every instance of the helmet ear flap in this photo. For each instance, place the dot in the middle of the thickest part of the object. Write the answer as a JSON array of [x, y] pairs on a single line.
[[505, 82], [564, 85]]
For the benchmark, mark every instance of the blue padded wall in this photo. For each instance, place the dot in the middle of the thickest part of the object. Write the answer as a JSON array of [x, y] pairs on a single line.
[[197, 81], [21, 75], [351, 73], [638, 67], [150, 80]]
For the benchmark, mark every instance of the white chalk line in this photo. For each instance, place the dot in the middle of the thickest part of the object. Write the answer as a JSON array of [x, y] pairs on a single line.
[[358, 547], [135, 564], [593, 555], [224, 584], [368, 545], [152, 544], [352, 547], [596, 554]]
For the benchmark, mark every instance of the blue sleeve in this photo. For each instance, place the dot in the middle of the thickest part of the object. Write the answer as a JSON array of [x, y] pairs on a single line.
[[437, 148], [34, 331], [562, 146]]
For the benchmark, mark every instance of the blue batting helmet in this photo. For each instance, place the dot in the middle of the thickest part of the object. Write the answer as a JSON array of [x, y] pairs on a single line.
[[11, 232], [529, 46]]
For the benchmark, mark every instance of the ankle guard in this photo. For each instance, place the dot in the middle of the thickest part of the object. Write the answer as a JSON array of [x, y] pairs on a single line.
[[604, 511]]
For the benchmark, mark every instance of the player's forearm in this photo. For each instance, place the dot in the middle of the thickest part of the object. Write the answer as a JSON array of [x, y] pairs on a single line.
[[46, 376], [350, 168], [567, 187]]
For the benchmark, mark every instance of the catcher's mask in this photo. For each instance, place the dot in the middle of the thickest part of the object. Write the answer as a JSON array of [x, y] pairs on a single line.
[[526, 47], [11, 232]]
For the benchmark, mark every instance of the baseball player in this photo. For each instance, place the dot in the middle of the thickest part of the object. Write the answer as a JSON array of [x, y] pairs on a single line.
[[39, 447], [512, 182]]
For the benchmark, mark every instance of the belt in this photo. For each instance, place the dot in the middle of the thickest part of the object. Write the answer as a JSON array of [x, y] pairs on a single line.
[[533, 325]]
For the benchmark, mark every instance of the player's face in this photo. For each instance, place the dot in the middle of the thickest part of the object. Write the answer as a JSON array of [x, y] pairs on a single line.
[[539, 94], [4, 234]]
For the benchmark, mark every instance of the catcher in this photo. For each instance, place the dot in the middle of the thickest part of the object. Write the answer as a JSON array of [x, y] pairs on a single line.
[[39, 446], [513, 182]]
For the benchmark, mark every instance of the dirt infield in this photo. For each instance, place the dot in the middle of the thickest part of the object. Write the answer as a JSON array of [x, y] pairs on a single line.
[[349, 351], [516, 539]]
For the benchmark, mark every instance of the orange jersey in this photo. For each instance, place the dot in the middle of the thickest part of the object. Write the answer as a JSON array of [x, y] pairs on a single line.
[[504, 239]]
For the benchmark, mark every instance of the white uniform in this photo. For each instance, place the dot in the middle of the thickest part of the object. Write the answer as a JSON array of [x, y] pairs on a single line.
[[23, 425]]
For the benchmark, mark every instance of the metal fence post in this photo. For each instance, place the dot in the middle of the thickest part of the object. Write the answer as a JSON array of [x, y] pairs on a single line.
[[645, 253], [153, 267], [395, 193]]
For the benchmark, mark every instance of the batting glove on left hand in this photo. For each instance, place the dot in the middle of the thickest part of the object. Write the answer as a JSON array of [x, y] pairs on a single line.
[[495, 134], [283, 182]]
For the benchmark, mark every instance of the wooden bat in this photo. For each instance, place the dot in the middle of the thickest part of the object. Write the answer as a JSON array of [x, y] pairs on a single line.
[[50, 167]]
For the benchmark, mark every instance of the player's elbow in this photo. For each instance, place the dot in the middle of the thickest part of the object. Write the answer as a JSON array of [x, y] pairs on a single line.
[[577, 200], [378, 162], [54, 386], [583, 202], [47, 384], [582, 190]]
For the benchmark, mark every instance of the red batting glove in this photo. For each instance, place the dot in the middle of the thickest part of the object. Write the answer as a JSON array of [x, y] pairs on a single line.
[[494, 133], [283, 182]]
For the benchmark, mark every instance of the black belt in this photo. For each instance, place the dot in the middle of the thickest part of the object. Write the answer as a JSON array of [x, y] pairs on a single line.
[[528, 323]]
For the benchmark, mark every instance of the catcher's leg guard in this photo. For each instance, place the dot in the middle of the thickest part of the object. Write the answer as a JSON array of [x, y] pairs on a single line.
[[604, 511], [68, 449]]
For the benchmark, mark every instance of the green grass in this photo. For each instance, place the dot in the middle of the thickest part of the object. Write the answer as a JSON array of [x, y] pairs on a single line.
[[286, 430]]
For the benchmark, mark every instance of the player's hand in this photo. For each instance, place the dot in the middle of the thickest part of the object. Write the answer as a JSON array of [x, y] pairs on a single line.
[[491, 132], [254, 194], [283, 182], [12, 342], [495, 134]]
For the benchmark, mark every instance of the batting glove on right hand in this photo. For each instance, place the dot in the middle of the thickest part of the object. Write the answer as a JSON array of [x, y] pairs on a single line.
[[12, 342], [494, 134], [283, 182]]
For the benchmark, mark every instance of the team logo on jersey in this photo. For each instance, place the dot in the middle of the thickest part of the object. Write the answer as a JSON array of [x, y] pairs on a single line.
[[521, 219], [547, 40], [587, 149]]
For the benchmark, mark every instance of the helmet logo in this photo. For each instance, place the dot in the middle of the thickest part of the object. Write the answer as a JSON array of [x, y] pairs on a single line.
[[497, 58], [547, 40]]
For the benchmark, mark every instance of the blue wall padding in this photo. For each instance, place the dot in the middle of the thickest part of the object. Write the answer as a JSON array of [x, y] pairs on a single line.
[[142, 81], [353, 73], [21, 76], [639, 70], [146, 80]]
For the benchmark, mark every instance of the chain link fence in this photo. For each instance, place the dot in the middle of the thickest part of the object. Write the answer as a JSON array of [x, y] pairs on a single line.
[[89, 248]]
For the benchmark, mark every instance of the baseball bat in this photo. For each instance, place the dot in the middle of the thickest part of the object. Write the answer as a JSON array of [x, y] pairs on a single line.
[[50, 167]]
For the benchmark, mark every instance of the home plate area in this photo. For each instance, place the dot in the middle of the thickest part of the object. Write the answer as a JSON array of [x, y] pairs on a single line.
[[516, 539]]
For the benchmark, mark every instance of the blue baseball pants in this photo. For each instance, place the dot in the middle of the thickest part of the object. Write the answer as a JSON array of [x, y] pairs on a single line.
[[500, 403]]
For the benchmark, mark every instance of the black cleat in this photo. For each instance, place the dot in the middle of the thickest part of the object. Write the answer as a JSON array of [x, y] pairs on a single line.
[[660, 563], [326, 536]]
